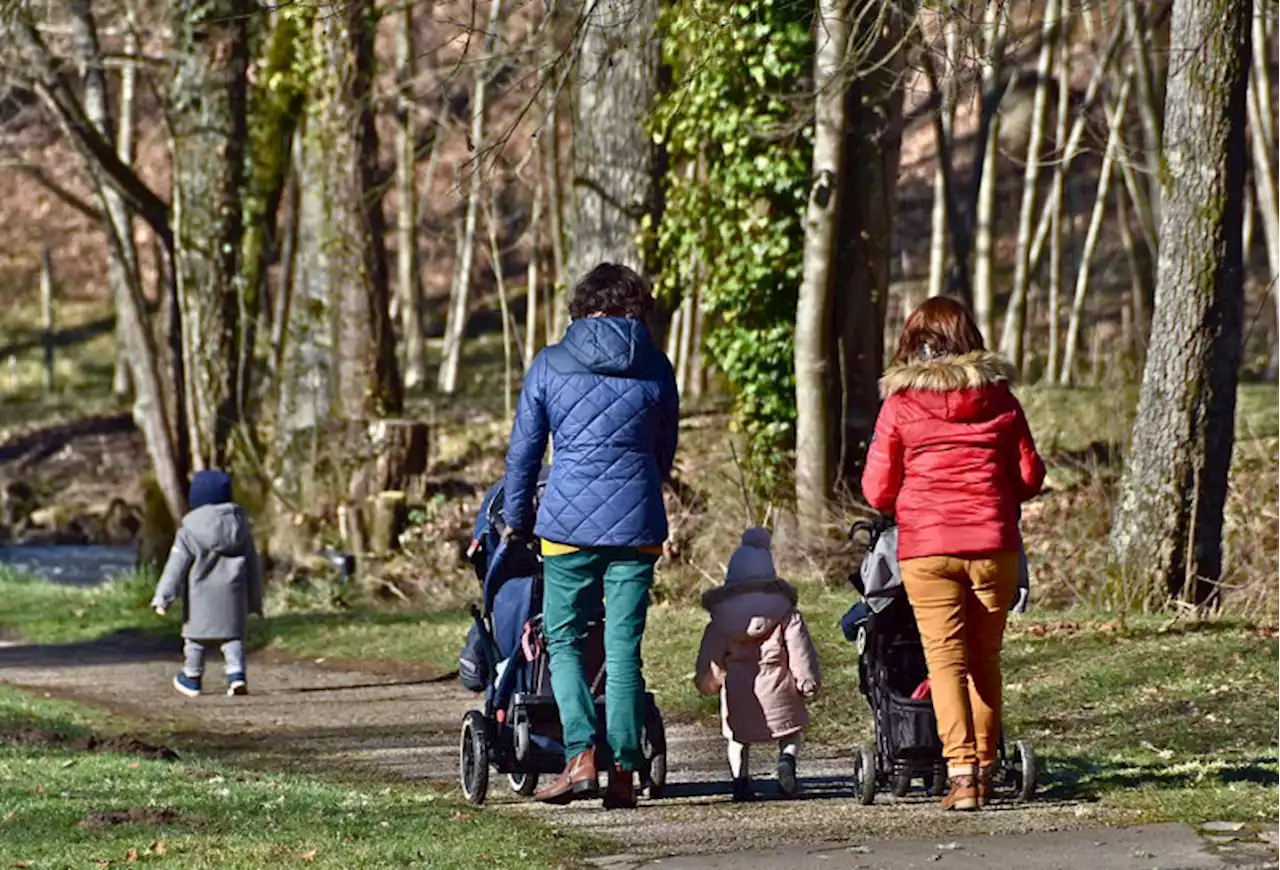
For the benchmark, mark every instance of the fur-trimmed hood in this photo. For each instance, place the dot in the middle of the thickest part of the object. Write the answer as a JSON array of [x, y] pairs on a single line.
[[947, 374]]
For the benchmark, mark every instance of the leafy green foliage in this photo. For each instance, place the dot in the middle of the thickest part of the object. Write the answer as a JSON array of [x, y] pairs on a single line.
[[740, 150]]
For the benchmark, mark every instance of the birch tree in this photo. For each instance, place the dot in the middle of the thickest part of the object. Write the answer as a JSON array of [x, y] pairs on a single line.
[[813, 311], [460, 295], [995, 27], [1011, 342], [1167, 534]]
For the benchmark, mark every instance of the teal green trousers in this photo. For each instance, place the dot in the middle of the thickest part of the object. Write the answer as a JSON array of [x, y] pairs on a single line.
[[575, 588]]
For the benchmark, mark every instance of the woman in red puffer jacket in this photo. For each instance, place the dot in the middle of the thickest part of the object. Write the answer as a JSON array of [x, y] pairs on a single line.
[[953, 459]]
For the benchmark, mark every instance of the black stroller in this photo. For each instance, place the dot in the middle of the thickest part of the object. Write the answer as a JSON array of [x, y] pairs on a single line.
[[518, 732], [891, 666]]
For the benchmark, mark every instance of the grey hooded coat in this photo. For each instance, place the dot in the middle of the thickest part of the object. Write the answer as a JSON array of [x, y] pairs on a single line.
[[214, 567]]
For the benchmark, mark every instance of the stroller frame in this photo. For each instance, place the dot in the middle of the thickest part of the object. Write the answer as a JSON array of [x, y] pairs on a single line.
[[907, 747], [518, 732]]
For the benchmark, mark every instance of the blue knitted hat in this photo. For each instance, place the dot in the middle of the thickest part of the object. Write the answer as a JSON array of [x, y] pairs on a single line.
[[209, 487]]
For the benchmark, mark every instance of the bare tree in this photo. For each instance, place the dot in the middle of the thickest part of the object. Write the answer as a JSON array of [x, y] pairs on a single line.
[[460, 295], [943, 126], [415, 363], [1167, 534], [1057, 189], [1011, 342], [122, 379], [1092, 235], [813, 311], [1263, 143], [995, 26], [87, 129]]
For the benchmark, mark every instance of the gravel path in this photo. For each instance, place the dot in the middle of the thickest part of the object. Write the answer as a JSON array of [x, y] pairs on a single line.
[[315, 715]]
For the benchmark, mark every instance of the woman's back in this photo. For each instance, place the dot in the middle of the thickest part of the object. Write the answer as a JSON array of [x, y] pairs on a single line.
[[953, 456]]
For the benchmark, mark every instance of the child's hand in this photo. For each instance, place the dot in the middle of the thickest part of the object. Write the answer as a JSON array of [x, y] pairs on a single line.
[[161, 610]]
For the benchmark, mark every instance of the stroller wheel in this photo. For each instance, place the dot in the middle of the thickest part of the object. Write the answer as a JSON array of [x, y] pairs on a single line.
[[653, 778], [473, 767], [653, 772], [864, 773], [1024, 770], [523, 784], [901, 785]]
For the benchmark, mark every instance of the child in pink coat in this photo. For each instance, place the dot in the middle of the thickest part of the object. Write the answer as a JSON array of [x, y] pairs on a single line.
[[757, 654]]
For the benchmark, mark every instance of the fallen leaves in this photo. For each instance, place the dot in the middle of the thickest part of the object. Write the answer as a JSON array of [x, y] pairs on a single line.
[[308, 856], [157, 848]]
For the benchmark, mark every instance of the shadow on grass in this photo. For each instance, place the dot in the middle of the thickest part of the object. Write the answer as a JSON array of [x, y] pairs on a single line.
[[1075, 777]]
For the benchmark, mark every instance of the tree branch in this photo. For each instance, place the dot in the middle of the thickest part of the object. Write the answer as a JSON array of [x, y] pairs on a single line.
[[40, 177], [60, 98]]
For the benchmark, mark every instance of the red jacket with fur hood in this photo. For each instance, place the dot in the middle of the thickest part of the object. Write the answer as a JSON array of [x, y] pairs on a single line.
[[952, 457]]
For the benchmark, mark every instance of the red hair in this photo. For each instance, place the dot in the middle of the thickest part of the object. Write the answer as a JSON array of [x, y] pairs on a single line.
[[940, 327]]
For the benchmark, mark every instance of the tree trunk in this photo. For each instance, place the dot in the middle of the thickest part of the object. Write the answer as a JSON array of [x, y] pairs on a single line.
[[274, 113], [873, 124], [122, 379], [995, 26], [1149, 111], [460, 296], [338, 363], [408, 287], [942, 195], [817, 286], [1264, 178], [558, 298], [1011, 342], [208, 115], [1057, 194], [150, 401], [533, 273], [1167, 535], [1069, 153], [1092, 235], [615, 199]]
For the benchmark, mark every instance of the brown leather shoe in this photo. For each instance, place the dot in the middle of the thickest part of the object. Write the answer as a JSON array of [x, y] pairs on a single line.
[[578, 781], [620, 794], [963, 794], [986, 784]]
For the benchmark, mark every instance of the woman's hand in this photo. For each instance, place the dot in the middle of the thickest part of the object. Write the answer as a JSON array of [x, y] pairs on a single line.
[[161, 610]]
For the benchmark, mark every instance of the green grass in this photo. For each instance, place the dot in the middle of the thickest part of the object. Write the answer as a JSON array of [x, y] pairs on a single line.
[[224, 817], [45, 613], [1175, 721]]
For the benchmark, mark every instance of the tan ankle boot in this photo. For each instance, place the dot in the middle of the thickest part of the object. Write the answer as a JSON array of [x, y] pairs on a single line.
[[963, 794], [578, 781], [986, 784]]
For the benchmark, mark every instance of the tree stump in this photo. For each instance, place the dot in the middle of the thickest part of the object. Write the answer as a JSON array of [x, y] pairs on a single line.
[[388, 514]]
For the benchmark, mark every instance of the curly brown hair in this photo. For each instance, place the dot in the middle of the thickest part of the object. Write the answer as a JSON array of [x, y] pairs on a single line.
[[611, 290], [942, 326]]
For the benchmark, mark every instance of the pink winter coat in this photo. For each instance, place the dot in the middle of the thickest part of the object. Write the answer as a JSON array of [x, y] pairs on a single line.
[[757, 654]]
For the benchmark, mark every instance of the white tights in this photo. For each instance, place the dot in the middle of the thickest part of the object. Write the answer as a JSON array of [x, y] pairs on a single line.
[[739, 753]]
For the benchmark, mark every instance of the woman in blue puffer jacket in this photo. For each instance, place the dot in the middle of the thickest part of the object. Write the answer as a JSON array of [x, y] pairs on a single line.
[[606, 397]]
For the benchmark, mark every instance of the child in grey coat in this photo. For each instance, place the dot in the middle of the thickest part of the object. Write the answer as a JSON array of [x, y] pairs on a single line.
[[214, 567]]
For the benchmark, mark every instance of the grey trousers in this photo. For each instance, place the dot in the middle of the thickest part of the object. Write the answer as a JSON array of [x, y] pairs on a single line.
[[232, 655]]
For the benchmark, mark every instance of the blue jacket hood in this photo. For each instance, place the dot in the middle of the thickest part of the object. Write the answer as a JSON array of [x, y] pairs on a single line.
[[608, 345]]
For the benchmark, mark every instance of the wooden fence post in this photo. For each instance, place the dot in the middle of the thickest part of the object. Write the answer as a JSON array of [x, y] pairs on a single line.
[[46, 312]]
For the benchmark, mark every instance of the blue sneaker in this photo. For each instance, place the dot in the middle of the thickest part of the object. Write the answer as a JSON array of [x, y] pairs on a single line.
[[236, 684], [189, 686]]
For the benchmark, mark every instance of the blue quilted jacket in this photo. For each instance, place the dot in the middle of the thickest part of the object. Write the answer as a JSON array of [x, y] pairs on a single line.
[[607, 398]]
